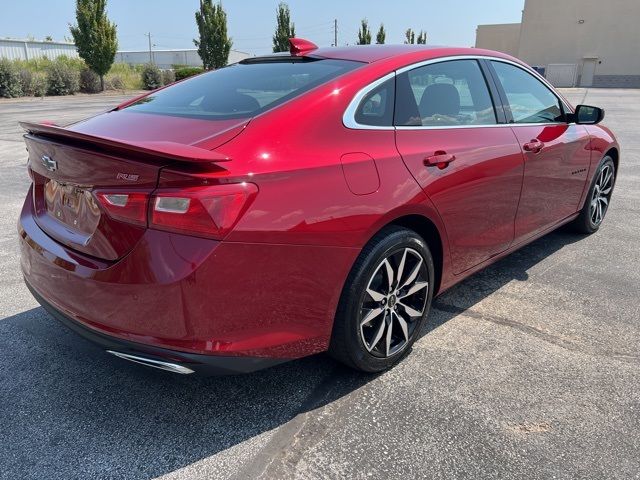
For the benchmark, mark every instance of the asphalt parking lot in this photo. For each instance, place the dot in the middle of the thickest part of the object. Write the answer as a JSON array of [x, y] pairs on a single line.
[[529, 369]]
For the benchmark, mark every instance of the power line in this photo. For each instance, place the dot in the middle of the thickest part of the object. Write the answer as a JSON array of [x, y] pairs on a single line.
[[314, 25]]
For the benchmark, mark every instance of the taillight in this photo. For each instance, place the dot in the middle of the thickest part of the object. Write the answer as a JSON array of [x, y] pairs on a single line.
[[128, 207], [203, 211]]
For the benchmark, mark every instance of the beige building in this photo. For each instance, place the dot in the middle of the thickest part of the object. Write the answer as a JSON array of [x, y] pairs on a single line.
[[576, 42], [503, 37]]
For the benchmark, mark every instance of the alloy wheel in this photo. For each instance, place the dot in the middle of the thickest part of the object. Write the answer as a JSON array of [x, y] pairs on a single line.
[[394, 301], [601, 194]]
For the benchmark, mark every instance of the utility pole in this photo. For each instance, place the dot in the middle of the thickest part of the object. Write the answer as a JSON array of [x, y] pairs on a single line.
[[335, 32], [148, 35]]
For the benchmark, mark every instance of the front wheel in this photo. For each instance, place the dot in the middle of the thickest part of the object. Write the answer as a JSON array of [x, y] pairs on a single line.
[[385, 301], [597, 202]]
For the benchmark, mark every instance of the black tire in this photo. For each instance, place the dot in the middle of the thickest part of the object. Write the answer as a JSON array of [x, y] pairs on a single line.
[[356, 346], [589, 221]]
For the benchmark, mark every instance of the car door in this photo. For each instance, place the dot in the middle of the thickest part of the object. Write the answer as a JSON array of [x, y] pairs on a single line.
[[556, 154], [466, 159]]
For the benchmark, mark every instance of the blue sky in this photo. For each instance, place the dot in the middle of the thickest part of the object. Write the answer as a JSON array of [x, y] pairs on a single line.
[[251, 22]]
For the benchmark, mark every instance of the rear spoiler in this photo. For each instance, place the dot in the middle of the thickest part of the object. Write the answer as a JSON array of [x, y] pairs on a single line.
[[167, 150]]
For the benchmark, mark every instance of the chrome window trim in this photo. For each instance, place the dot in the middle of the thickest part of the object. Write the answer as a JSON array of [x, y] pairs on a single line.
[[349, 121], [349, 116], [493, 125]]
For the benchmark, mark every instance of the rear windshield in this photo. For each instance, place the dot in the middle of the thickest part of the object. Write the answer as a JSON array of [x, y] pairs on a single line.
[[242, 90]]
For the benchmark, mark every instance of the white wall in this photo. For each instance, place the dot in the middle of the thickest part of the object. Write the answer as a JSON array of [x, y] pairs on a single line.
[[167, 58], [28, 49]]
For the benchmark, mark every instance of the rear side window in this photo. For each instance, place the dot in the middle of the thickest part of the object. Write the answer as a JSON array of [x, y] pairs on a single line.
[[376, 108], [529, 99], [242, 90], [452, 93]]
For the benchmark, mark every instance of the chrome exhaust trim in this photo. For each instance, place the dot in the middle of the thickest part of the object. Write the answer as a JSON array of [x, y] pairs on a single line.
[[170, 367]]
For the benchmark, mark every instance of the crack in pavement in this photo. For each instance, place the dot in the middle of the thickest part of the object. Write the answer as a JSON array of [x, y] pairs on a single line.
[[537, 332], [273, 456], [584, 97], [278, 457]]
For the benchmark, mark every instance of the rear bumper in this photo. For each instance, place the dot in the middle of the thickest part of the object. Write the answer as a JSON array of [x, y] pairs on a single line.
[[161, 357], [193, 295]]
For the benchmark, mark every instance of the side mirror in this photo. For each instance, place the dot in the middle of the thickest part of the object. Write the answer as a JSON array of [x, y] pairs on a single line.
[[587, 115]]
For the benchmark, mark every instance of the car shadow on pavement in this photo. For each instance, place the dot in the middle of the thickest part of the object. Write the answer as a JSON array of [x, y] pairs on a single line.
[[515, 266], [71, 410]]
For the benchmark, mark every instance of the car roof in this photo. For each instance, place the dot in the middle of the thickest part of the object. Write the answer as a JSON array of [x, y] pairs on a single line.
[[391, 54], [374, 53], [369, 53]]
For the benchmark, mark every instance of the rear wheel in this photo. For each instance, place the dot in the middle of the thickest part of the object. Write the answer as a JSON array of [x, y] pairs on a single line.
[[597, 202], [385, 301]]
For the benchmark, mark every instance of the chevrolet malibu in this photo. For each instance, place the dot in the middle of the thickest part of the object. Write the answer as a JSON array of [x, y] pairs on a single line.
[[302, 202]]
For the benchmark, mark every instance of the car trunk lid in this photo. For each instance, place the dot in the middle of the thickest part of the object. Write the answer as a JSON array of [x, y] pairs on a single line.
[[80, 180]]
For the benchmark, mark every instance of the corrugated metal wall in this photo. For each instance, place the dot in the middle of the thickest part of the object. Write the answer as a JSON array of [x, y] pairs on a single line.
[[167, 58], [27, 49]]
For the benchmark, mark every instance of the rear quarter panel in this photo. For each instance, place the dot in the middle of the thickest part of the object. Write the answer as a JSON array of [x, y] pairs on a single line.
[[294, 156]]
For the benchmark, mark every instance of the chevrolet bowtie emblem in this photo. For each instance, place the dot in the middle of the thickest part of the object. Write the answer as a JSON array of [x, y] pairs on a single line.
[[49, 163]]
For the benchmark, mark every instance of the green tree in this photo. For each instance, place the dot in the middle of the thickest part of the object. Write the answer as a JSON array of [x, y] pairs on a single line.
[[410, 36], [95, 36], [381, 35], [364, 34], [285, 29], [422, 38], [214, 44]]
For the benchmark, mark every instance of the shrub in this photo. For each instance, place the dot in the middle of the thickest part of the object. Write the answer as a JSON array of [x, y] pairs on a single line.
[[168, 77], [151, 77], [89, 81], [38, 85], [10, 82], [114, 82], [76, 64], [38, 64], [34, 84], [42, 76], [185, 72], [129, 75], [26, 79], [62, 78]]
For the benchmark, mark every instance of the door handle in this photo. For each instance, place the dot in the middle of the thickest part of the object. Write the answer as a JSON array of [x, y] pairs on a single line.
[[440, 159], [534, 146]]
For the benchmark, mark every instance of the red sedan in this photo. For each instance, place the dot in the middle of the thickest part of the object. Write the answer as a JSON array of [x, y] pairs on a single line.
[[302, 202]]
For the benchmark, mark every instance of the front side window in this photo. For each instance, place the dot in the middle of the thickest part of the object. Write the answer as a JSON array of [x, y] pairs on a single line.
[[242, 90], [529, 99], [451, 93]]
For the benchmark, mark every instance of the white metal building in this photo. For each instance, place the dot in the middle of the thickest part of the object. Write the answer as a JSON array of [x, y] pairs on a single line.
[[578, 42], [167, 58], [29, 49]]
